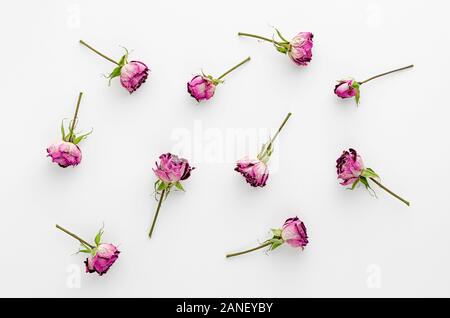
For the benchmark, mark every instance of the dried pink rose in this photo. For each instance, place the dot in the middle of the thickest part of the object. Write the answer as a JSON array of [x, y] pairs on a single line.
[[101, 255], [351, 88], [132, 74], [255, 171], [346, 88], [102, 260], [293, 233], [202, 87], [299, 49], [351, 171], [349, 166], [170, 171], [66, 152]]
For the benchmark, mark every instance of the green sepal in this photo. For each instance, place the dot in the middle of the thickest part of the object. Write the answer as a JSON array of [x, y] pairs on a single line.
[[162, 186], [281, 37], [114, 73], [369, 173], [76, 140], [355, 184], [179, 186], [98, 237], [277, 232], [275, 242], [63, 131], [355, 85], [85, 251], [282, 49]]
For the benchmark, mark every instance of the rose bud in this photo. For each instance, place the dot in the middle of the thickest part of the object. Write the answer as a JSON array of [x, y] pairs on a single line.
[[351, 170], [255, 171], [132, 74], [293, 233], [101, 255], [346, 88], [202, 87], [299, 49], [66, 152], [103, 259], [350, 88], [170, 171]]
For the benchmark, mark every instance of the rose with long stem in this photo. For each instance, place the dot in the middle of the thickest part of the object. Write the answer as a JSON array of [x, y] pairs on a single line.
[[170, 171], [132, 74], [203, 87], [351, 171], [299, 49], [349, 88], [293, 232]]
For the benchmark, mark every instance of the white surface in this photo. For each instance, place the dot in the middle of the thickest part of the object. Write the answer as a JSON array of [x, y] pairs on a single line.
[[357, 242]]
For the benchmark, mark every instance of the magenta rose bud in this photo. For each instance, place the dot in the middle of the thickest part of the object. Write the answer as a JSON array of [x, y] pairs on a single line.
[[201, 88], [103, 259], [172, 169], [301, 48], [65, 154], [253, 170], [349, 167], [294, 233], [133, 74], [345, 89]]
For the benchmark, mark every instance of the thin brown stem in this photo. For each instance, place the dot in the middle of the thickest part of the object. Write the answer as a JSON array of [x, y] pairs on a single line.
[[386, 73], [389, 191], [161, 198], [72, 127], [75, 236], [248, 251], [99, 53]]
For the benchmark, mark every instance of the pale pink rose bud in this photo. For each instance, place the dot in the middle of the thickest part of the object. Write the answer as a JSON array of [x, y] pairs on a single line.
[[133, 74], [64, 153], [301, 48], [201, 88], [294, 233], [349, 167], [253, 170], [172, 169], [105, 256]]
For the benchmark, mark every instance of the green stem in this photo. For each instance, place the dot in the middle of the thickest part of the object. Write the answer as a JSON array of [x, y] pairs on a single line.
[[101, 54], [72, 127], [248, 251], [75, 236], [386, 73], [233, 68], [156, 214], [263, 153], [258, 37], [389, 191]]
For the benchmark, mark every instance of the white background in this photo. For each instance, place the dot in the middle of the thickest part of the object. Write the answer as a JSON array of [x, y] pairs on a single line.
[[359, 245]]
